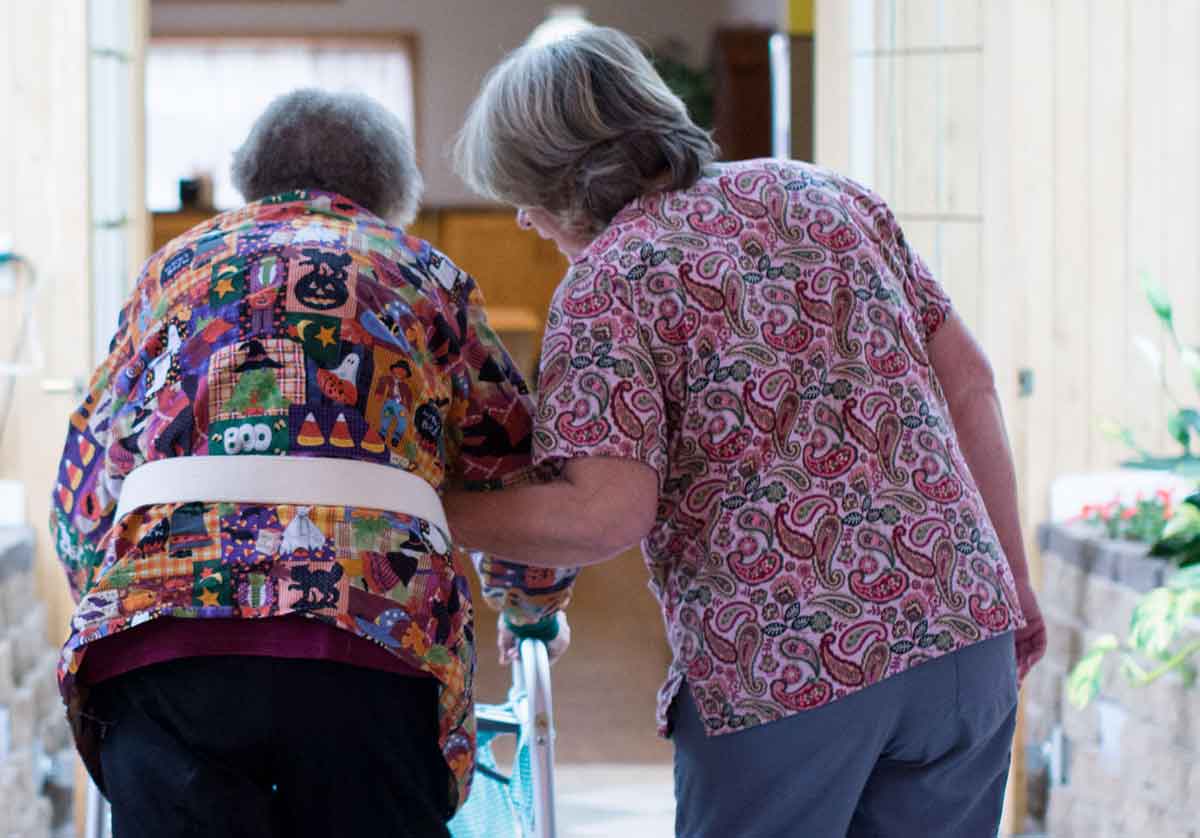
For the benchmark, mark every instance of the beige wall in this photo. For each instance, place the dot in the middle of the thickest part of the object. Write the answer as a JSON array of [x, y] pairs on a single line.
[[458, 42], [757, 12], [1042, 155], [43, 204]]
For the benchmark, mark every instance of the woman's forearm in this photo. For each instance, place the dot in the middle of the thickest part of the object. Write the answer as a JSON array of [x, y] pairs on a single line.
[[979, 424], [601, 507], [544, 526], [969, 384]]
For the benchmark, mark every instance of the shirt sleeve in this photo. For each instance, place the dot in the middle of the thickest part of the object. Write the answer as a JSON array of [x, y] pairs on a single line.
[[929, 300], [92, 468], [491, 424], [492, 435], [600, 393]]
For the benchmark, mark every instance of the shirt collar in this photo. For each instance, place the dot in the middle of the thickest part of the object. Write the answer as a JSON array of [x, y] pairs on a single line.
[[320, 201]]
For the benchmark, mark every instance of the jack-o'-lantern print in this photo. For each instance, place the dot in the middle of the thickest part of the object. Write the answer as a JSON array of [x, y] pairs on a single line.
[[322, 282]]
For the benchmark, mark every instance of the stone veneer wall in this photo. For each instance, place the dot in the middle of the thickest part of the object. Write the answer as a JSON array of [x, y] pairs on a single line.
[[32, 725], [1133, 756]]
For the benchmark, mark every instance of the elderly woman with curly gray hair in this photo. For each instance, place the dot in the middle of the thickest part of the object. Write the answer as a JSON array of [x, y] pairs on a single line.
[[749, 369], [273, 636]]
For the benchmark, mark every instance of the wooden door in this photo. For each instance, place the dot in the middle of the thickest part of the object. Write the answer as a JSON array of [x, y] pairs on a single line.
[[1042, 154], [742, 92]]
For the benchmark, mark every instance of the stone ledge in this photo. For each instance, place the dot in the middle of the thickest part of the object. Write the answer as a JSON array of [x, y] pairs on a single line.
[[1119, 561], [1143, 778]]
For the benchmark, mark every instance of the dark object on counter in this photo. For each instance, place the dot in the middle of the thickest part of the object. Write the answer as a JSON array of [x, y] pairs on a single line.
[[189, 193]]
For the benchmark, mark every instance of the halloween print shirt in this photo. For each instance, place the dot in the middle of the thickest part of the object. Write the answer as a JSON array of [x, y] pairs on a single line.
[[759, 340], [301, 326]]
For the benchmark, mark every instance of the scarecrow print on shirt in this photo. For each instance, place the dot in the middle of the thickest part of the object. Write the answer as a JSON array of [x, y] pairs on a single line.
[[300, 326]]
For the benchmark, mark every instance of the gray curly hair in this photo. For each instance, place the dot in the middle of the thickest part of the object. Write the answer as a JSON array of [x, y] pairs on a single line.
[[346, 143], [579, 127]]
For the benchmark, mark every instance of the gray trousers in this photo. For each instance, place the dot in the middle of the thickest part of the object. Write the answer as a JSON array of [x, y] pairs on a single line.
[[923, 754]]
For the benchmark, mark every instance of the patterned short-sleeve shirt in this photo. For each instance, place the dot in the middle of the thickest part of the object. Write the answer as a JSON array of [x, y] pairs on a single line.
[[759, 340], [301, 326]]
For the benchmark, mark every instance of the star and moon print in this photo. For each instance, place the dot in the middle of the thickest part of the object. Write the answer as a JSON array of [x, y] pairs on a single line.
[[301, 325]]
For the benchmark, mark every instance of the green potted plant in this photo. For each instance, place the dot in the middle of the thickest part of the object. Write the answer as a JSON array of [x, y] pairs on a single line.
[[1163, 638], [1164, 631], [1183, 421]]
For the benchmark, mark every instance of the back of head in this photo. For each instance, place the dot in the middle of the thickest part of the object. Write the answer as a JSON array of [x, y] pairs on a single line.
[[579, 126], [337, 142]]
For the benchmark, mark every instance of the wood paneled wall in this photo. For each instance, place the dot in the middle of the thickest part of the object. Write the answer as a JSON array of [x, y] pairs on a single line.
[[1042, 156]]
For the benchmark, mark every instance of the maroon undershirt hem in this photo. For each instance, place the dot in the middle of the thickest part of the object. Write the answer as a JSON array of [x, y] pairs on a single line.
[[290, 636]]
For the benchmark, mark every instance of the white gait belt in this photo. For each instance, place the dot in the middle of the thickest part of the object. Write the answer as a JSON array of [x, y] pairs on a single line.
[[300, 481]]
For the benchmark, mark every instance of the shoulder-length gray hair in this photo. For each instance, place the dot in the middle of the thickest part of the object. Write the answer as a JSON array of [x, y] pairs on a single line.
[[337, 142], [579, 127]]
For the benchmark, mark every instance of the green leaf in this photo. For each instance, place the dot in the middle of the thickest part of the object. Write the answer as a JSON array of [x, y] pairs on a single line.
[[1083, 684], [1190, 418], [1132, 673], [1181, 533], [1158, 299], [1121, 433], [1189, 604], [1189, 558], [1156, 622], [1179, 429], [1116, 431]]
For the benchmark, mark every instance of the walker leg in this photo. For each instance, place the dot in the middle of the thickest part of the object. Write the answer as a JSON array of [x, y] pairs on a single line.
[[95, 826], [535, 661]]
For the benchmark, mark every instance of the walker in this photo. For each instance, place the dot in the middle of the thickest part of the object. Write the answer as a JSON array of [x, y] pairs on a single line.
[[520, 805]]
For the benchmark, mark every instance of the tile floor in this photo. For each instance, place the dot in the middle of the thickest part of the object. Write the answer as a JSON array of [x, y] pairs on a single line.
[[629, 801]]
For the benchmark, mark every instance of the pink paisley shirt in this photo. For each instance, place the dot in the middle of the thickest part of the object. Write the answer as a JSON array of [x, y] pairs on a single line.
[[759, 340]]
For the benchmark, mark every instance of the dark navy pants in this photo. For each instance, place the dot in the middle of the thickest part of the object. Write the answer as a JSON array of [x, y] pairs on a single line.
[[923, 754], [252, 747]]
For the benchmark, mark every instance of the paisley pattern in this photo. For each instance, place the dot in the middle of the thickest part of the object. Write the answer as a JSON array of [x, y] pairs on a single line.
[[759, 340], [300, 325]]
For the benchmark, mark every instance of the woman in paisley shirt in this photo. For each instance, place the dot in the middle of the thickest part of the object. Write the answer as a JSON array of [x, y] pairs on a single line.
[[288, 649], [748, 369]]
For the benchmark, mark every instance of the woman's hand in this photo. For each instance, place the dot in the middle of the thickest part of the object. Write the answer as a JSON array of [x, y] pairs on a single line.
[[1030, 640], [510, 648]]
